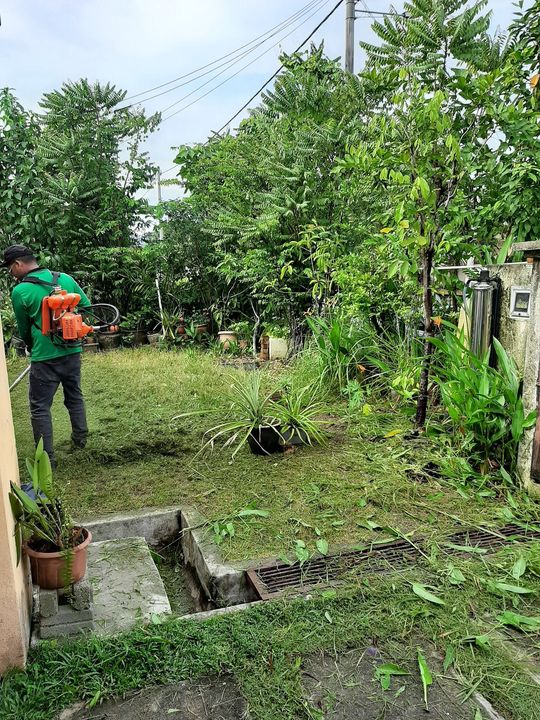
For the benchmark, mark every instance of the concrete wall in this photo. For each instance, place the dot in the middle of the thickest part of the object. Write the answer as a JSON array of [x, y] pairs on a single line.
[[15, 587], [514, 331], [531, 366]]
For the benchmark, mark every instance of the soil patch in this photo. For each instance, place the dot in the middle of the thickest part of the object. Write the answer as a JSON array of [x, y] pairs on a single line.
[[345, 687], [208, 699]]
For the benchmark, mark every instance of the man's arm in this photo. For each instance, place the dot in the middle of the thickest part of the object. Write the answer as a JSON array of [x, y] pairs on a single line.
[[24, 323]]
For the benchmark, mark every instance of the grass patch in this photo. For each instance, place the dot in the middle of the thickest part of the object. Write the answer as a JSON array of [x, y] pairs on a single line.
[[264, 647], [137, 456], [371, 472]]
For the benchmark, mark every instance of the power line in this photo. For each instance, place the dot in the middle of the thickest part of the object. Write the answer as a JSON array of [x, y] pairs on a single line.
[[230, 77], [276, 28], [279, 68], [327, 17]]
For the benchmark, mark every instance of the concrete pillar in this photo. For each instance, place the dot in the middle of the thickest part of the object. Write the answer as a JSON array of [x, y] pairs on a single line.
[[530, 375], [15, 587]]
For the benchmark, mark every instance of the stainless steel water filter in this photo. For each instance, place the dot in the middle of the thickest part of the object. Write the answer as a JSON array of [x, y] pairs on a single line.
[[481, 317]]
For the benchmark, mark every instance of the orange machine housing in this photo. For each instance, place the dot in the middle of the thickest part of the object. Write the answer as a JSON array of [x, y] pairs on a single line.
[[58, 316]]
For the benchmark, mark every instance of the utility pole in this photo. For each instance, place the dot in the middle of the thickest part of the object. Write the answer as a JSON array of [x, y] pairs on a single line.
[[349, 35], [159, 201], [160, 304]]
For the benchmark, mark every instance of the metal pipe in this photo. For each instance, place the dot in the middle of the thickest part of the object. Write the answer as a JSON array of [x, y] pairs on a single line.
[[21, 377]]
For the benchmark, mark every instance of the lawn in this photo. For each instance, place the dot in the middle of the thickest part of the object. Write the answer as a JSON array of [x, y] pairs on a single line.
[[370, 472], [373, 479]]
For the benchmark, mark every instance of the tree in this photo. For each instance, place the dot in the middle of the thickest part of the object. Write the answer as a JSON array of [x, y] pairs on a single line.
[[21, 211], [89, 157]]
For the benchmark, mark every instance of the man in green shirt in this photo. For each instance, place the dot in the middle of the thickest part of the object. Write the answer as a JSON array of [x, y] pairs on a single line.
[[52, 362]]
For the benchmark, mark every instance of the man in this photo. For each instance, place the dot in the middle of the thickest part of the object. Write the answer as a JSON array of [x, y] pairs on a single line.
[[52, 363]]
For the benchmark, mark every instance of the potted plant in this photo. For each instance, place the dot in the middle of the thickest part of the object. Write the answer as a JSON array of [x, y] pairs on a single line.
[[226, 337], [201, 322], [274, 342], [298, 411], [243, 332], [44, 531], [251, 421], [110, 339]]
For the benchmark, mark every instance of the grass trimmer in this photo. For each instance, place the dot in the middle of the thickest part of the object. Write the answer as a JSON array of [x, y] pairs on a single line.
[[62, 322]]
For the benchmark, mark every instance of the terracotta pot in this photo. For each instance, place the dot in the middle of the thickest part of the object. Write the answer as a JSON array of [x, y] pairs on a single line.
[[265, 440], [48, 568], [202, 328], [226, 337]]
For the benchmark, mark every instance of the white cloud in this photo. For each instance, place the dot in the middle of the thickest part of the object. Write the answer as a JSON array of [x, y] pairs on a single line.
[[137, 44]]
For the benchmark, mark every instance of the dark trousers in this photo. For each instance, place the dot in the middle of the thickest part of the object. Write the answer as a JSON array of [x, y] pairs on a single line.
[[45, 377]]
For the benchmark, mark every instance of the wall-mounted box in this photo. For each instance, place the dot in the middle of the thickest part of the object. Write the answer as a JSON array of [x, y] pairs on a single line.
[[520, 303]]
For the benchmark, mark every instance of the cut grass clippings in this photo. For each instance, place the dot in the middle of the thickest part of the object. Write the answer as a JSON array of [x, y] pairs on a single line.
[[369, 474], [372, 479], [263, 648]]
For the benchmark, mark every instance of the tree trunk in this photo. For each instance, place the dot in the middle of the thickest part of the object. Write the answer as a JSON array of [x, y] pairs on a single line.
[[427, 298]]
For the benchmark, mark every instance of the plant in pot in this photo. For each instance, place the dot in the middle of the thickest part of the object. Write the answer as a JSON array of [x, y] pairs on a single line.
[[200, 319], [243, 332], [251, 419], [57, 548], [298, 412]]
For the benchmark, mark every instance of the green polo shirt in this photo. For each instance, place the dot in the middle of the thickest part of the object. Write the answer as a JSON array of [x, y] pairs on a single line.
[[27, 298]]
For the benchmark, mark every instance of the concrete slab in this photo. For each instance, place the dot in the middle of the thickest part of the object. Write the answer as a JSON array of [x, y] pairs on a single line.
[[225, 584], [344, 686], [207, 699], [156, 525], [126, 584]]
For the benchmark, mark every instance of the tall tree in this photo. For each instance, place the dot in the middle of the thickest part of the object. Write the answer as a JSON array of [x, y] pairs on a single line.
[[92, 167]]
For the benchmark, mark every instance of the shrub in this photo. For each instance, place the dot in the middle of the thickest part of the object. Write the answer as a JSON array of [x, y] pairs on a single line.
[[483, 403]]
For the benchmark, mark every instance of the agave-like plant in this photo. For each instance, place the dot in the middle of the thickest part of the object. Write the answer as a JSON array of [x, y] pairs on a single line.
[[299, 412]]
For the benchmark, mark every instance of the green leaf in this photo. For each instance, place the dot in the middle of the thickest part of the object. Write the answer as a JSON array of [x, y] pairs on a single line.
[[425, 594], [519, 567], [368, 524], [253, 512], [322, 546], [425, 676], [328, 617], [384, 672], [521, 622], [456, 577], [467, 548], [517, 589], [449, 657]]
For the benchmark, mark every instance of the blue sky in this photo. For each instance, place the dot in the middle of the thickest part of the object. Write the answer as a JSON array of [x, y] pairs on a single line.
[[138, 44]]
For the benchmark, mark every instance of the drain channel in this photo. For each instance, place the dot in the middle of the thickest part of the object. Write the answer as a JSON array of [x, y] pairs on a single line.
[[272, 579]]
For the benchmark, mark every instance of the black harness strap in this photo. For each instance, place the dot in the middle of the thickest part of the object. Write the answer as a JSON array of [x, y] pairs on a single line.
[[39, 281]]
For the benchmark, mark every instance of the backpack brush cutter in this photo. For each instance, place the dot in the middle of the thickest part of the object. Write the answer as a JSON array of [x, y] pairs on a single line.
[[64, 323]]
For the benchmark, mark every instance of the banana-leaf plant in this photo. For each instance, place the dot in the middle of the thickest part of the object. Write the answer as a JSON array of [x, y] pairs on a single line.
[[42, 519], [483, 403]]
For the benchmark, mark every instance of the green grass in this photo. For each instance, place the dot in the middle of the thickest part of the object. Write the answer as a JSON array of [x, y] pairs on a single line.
[[264, 646], [137, 456]]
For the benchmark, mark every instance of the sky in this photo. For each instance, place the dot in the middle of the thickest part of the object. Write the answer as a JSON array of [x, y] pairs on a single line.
[[139, 44]]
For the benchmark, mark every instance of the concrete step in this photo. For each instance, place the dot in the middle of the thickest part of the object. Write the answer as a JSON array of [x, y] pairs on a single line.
[[126, 584]]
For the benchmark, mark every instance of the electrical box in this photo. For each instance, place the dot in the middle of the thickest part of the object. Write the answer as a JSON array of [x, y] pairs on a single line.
[[520, 303]]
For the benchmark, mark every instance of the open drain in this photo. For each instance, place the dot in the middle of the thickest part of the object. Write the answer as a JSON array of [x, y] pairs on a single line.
[[271, 579]]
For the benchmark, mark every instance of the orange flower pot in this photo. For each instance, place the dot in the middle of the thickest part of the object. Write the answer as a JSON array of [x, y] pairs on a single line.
[[48, 567]]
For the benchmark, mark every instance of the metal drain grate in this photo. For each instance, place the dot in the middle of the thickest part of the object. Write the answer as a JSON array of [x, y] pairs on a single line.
[[274, 578]]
